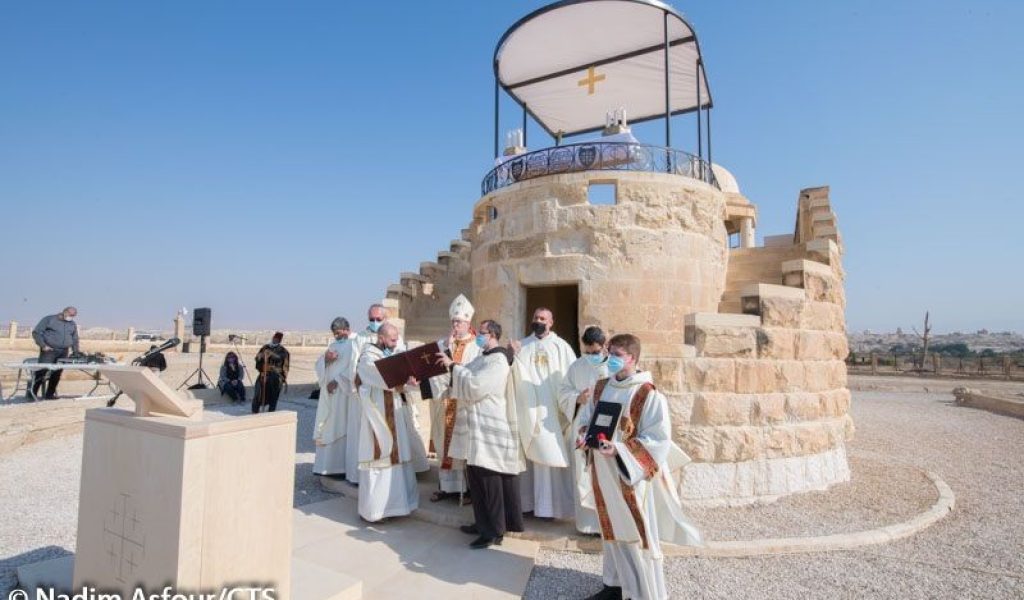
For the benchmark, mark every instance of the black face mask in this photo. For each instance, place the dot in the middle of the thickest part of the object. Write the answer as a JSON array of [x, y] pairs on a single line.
[[538, 329]]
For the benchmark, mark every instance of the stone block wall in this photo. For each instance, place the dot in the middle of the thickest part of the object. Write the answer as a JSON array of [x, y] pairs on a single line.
[[748, 345], [640, 265]]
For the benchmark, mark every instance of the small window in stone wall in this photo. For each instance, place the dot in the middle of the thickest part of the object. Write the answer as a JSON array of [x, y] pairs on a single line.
[[602, 193], [734, 240], [492, 213]]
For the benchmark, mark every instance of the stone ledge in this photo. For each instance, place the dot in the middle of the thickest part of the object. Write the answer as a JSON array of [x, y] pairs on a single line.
[[807, 266], [769, 290], [721, 320], [975, 399]]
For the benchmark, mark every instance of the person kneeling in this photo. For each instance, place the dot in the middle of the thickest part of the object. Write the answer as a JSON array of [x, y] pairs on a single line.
[[486, 438], [628, 479]]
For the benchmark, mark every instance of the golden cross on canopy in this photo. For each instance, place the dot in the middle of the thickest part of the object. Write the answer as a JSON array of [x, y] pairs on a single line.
[[590, 80]]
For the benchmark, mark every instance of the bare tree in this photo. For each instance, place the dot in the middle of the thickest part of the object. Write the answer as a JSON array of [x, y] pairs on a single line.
[[924, 341]]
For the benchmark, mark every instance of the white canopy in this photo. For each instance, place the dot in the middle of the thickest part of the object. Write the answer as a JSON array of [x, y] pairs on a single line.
[[571, 62]]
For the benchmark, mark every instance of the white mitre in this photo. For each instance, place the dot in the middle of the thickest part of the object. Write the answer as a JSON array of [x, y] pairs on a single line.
[[461, 309]]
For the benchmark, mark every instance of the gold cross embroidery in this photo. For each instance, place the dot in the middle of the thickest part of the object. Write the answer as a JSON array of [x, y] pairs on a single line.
[[590, 80]]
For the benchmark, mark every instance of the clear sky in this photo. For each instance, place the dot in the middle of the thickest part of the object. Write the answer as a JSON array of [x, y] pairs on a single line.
[[282, 163]]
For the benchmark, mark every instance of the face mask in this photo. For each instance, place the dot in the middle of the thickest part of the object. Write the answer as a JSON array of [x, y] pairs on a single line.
[[275, 344], [615, 364], [538, 328], [481, 341], [68, 318], [375, 326], [595, 359], [388, 351]]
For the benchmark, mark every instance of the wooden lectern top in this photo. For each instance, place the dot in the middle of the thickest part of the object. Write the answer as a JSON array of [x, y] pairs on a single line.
[[151, 395]]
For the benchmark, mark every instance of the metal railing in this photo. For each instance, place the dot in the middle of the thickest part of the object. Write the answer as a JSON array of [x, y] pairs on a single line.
[[597, 156]]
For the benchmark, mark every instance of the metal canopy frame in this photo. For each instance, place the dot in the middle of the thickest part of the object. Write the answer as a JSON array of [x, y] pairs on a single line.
[[704, 105]]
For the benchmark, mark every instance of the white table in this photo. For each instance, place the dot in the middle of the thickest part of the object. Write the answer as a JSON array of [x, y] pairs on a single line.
[[30, 367]]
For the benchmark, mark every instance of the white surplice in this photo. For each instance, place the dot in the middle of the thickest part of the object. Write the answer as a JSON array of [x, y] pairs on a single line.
[[537, 372], [581, 377], [444, 410], [387, 479], [486, 425], [331, 423], [637, 503]]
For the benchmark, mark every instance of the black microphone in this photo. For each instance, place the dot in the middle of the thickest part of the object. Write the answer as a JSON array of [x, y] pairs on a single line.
[[164, 346]]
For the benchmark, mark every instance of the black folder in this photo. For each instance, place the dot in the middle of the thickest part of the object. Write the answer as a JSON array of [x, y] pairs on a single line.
[[604, 420]]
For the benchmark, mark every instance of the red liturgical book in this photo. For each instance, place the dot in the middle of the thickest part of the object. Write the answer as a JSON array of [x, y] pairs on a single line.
[[420, 362]]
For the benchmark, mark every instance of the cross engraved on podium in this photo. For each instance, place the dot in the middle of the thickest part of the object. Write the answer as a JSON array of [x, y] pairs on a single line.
[[590, 80], [127, 543]]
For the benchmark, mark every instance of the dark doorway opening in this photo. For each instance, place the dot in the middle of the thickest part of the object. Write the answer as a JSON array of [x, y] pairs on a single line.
[[564, 302]]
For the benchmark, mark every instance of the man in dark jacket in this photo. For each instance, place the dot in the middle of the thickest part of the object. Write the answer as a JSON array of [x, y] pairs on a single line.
[[272, 362], [57, 336]]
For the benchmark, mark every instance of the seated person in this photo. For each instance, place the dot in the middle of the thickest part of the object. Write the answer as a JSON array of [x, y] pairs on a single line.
[[230, 380], [155, 362]]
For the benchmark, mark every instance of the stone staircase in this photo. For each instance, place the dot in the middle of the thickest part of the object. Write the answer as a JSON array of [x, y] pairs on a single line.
[[816, 224], [420, 300]]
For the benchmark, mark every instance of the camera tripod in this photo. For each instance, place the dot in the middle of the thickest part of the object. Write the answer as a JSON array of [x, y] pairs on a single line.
[[199, 373]]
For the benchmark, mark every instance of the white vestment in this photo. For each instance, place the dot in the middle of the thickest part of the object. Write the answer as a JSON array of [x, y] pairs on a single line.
[[387, 481], [581, 377], [330, 426], [537, 373], [444, 410], [486, 426], [362, 340], [637, 503]]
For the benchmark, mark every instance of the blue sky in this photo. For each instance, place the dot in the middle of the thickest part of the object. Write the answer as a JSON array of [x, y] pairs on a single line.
[[284, 162]]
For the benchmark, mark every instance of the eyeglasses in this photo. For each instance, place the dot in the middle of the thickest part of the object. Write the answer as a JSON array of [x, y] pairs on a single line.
[[372, 320]]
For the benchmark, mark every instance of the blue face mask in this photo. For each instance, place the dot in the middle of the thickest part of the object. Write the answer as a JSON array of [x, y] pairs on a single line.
[[375, 326], [615, 364], [595, 359], [481, 340], [388, 351]]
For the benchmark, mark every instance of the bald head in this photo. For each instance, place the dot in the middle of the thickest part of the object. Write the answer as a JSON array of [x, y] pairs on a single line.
[[388, 337]]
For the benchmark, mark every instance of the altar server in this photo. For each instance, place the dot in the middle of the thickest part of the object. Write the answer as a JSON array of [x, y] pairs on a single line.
[[461, 348], [336, 390], [629, 480], [577, 389], [537, 374], [387, 479]]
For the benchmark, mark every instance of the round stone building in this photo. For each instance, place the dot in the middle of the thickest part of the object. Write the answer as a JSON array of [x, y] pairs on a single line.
[[747, 341]]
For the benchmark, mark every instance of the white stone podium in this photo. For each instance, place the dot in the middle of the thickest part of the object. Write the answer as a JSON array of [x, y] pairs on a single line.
[[170, 498]]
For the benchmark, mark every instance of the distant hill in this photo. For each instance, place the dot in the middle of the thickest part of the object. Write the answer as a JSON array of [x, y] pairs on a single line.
[[998, 342]]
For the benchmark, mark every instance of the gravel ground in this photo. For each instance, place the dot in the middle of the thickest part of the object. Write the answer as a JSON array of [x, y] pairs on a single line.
[[39, 491], [976, 552]]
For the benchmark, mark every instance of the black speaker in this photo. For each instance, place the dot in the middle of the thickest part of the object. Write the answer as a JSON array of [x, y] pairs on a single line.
[[201, 321]]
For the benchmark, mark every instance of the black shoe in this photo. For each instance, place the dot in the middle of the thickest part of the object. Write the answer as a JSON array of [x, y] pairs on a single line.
[[482, 542], [50, 397], [607, 593], [469, 530]]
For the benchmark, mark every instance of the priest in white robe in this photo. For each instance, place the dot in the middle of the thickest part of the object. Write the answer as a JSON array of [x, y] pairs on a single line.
[[387, 479], [537, 373], [486, 438], [460, 346], [577, 390], [376, 317], [330, 425], [630, 481]]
